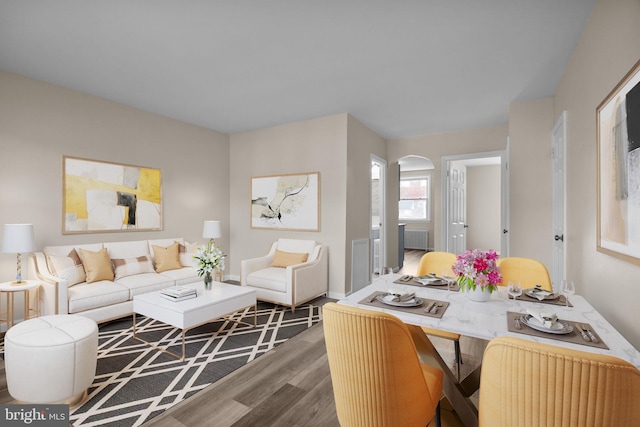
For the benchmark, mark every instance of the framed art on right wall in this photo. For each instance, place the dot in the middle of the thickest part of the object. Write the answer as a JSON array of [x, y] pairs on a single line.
[[618, 154]]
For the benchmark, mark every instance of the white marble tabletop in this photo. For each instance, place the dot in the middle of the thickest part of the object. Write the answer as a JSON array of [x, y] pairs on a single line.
[[488, 320]]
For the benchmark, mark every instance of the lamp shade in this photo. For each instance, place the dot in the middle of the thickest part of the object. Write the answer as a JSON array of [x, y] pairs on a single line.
[[211, 230], [18, 238]]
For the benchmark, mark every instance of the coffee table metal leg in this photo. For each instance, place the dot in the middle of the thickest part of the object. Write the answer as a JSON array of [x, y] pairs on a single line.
[[177, 356]]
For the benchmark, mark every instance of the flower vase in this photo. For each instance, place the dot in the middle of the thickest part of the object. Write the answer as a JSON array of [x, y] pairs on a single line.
[[478, 294], [207, 281]]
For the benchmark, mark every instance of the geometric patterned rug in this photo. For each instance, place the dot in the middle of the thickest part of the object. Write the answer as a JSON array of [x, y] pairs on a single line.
[[135, 382]]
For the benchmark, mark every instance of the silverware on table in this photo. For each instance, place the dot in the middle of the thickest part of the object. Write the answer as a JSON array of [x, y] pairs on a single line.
[[429, 306], [584, 334], [518, 326], [592, 336], [372, 297], [435, 308]]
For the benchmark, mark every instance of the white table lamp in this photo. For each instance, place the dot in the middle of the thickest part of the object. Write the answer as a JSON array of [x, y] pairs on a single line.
[[211, 230], [18, 239]]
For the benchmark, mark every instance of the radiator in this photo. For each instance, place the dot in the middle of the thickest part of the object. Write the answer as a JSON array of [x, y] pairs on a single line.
[[416, 239]]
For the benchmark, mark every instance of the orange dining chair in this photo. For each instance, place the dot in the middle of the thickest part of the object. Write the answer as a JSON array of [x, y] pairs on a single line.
[[437, 262], [524, 383], [529, 272], [377, 376]]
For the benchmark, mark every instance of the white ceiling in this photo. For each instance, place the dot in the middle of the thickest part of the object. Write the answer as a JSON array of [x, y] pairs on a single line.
[[401, 67]]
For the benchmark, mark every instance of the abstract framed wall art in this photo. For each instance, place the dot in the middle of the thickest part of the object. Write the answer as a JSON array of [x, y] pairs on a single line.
[[286, 202], [109, 197], [618, 153]]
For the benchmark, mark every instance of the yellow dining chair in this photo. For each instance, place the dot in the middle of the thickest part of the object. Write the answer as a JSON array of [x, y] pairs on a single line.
[[529, 272], [436, 262], [377, 377], [529, 384]]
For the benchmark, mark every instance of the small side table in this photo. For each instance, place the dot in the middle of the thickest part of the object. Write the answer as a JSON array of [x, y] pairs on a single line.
[[8, 290]]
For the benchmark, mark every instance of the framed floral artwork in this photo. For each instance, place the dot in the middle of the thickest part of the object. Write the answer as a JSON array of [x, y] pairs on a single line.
[[289, 202], [109, 197], [618, 153]]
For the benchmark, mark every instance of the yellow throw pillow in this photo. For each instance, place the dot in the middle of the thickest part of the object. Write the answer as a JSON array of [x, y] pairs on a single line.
[[285, 259], [97, 265], [167, 258]]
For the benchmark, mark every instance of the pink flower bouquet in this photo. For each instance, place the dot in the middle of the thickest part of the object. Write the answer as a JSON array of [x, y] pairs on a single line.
[[477, 268]]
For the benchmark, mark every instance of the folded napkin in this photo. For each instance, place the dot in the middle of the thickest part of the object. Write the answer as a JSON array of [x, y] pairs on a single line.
[[540, 293], [398, 295], [545, 318]]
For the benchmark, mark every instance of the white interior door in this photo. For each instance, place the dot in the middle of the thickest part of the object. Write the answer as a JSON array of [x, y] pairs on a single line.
[[504, 216], [457, 208], [558, 141]]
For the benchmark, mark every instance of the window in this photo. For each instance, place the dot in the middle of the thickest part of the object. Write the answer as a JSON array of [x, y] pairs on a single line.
[[414, 199]]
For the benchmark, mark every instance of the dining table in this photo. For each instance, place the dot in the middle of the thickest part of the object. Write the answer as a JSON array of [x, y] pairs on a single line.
[[500, 315]]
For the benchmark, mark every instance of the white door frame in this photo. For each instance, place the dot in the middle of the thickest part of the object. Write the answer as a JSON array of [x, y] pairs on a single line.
[[559, 202], [444, 194], [382, 208]]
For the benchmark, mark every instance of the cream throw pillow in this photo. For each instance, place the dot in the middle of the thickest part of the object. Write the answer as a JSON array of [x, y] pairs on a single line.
[[285, 259], [129, 266], [167, 258], [68, 267], [97, 265], [186, 251]]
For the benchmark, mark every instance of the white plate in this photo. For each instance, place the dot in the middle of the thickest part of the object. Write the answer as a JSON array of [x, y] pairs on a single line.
[[558, 327], [413, 302], [532, 293], [431, 281]]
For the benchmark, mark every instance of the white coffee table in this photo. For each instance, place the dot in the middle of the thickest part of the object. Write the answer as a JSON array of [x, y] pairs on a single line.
[[223, 299]]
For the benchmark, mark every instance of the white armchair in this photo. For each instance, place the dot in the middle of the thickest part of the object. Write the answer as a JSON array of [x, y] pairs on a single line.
[[290, 280]]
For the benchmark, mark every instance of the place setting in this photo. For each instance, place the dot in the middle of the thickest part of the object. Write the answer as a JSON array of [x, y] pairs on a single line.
[[547, 324], [407, 301], [430, 280], [540, 295]]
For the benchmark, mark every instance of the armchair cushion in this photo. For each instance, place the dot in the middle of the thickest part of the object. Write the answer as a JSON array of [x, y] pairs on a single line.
[[274, 278], [285, 259]]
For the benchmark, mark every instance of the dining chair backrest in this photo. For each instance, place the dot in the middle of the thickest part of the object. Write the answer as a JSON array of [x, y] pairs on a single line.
[[377, 377], [524, 383], [435, 262], [528, 271]]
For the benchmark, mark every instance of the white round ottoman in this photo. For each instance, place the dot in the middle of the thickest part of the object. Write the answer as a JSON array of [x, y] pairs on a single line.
[[51, 359]]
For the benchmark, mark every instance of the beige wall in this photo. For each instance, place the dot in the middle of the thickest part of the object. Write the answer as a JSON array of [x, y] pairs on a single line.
[[606, 51], [318, 145], [434, 147], [483, 207], [530, 125], [361, 144], [39, 123]]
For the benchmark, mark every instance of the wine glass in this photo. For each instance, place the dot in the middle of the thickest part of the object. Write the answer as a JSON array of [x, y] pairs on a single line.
[[567, 287], [514, 289], [446, 276]]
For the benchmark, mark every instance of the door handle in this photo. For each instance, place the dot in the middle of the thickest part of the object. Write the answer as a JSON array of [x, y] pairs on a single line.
[[560, 237], [505, 231], [466, 226]]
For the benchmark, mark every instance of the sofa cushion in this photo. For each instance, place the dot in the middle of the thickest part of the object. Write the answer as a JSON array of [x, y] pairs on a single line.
[[167, 258], [97, 265], [182, 276], [86, 296], [285, 259], [129, 266], [68, 267], [146, 282], [132, 249], [273, 278]]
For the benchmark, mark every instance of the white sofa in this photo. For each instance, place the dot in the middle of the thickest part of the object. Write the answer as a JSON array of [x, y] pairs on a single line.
[[104, 300], [293, 284]]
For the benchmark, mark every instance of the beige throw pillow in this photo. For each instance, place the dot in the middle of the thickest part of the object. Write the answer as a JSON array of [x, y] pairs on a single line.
[[186, 251], [285, 259], [167, 258], [68, 267], [97, 265]]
